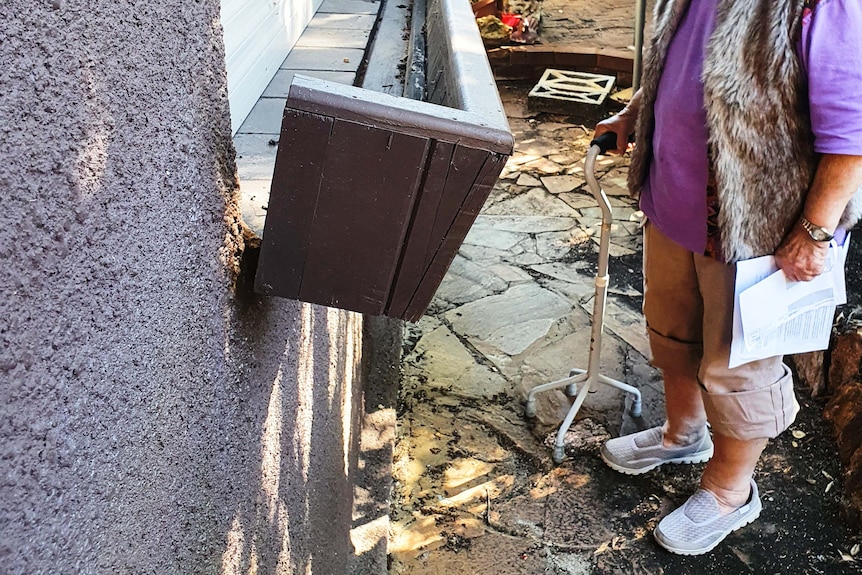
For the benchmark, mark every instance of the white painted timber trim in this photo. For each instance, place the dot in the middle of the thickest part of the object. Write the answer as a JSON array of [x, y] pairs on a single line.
[[258, 35]]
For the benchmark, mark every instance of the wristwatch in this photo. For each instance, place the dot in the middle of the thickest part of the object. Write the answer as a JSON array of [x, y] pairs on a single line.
[[817, 233]]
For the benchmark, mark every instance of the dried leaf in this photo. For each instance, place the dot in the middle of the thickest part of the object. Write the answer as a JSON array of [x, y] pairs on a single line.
[[826, 475], [846, 557], [829, 487], [798, 434], [742, 557], [854, 551]]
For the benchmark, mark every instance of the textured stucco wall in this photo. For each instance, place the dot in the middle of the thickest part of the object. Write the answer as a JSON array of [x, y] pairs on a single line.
[[151, 422]]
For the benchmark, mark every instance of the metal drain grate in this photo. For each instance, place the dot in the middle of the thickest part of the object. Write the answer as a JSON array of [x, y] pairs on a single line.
[[573, 87]]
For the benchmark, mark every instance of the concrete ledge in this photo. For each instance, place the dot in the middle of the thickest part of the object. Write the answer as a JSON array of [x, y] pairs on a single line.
[[458, 72]]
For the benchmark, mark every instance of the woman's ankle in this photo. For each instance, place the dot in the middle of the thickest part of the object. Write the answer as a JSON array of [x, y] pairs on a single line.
[[683, 435], [729, 497]]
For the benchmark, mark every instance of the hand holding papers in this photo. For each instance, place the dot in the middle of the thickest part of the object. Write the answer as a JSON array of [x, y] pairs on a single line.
[[774, 316]]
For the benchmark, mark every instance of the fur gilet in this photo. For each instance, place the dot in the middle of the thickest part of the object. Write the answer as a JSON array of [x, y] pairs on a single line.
[[756, 104]]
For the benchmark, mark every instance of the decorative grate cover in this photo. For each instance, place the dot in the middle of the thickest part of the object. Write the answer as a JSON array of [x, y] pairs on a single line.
[[573, 87]]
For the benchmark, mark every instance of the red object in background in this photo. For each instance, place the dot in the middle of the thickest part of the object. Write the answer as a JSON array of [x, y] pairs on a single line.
[[511, 20]]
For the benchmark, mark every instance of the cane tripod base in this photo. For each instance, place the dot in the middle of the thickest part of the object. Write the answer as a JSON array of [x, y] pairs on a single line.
[[577, 385]]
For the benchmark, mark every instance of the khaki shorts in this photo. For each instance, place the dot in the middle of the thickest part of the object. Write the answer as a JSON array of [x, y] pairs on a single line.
[[688, 304]]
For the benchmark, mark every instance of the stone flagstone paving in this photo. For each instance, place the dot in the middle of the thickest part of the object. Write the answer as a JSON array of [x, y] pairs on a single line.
[[513, 312], [476, 492]]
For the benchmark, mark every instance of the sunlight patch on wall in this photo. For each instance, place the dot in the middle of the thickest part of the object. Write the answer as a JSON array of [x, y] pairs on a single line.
[[305, 391], [365, 537], [231, 559], [93, 154], [271, 467]]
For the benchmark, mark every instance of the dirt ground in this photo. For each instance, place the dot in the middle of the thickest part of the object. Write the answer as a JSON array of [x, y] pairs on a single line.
[[608, 24]]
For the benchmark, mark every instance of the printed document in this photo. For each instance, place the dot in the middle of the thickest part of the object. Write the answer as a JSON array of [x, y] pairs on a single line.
[[775, 316]]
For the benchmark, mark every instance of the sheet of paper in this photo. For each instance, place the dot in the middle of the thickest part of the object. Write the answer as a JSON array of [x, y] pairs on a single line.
[[774, 316]]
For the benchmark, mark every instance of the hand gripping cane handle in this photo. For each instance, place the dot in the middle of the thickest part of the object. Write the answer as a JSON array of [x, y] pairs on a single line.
[[605, 142]]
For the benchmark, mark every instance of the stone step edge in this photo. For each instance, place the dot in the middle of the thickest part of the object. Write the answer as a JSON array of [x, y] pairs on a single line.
[[529, 62]]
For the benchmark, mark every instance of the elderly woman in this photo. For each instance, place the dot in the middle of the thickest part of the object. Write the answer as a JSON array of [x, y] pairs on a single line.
[[749, 142]]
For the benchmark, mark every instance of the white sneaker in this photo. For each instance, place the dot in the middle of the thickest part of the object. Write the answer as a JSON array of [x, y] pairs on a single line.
[[697, 527], [640, 452]]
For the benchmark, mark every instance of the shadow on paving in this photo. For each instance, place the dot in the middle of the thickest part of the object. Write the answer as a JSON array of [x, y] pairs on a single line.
[[476, 492]]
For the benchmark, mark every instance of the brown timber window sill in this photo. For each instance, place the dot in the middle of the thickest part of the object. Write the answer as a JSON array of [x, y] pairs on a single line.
[[372, 195]]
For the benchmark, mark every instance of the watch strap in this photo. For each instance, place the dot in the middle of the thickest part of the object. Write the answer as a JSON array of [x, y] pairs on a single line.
[[817, 233]]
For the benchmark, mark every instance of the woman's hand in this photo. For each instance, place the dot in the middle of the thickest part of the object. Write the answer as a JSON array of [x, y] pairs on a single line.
[[801, 258], [622, 124], [837, 179]]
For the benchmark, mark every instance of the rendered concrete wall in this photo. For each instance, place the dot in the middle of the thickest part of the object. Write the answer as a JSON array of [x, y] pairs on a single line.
[[152, 422]]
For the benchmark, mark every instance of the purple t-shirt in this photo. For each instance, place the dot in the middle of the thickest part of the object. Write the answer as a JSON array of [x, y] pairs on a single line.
[[674, 197]]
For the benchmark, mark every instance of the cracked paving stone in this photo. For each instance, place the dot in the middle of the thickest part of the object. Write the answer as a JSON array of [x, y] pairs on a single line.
[[566, 272], [616, 251], [480, 443], [578, 201], [493, 238], [475, 499], [509, 273], [463, 473], [536, 202], [467, 281], [448, 364], [615, 186], [517, 160], [556, 358], [511, 427], [577, 292], [539, 146], [626, 324], [508, 323], [567, 160], [560, 184], [528, 180], [525, 224], [526, 259], [558, 245], [483, 253], [543, 165]]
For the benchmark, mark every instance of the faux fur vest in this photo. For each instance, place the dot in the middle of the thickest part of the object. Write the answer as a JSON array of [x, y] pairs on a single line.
[[756, 103]]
